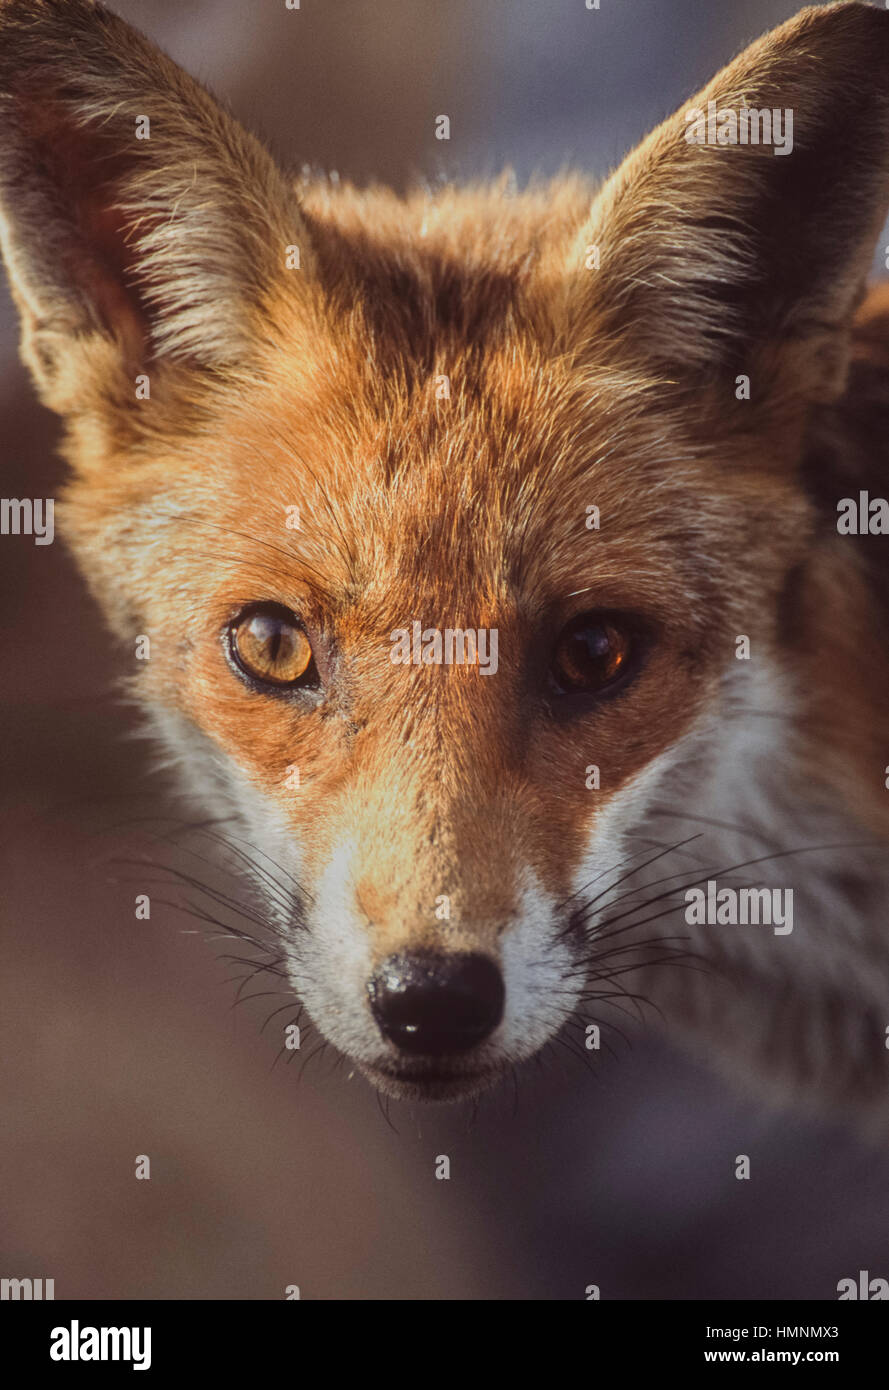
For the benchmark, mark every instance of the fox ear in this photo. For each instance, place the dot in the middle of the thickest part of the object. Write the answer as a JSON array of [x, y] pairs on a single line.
[[738, 255], [131, 205]]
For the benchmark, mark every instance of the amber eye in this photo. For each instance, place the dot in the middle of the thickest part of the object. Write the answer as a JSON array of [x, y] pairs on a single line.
[[268, 644], [592, 653]]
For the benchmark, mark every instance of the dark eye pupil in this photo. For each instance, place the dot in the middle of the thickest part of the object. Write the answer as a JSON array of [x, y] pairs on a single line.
[[272, 648], [589, 656], [591, 643], [270, 634]]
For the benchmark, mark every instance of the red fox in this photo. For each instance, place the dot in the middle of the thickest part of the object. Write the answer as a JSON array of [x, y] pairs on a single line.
[[514, 564]]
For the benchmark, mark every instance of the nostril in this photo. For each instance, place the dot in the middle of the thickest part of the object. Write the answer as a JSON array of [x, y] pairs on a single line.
[[436, 1004]]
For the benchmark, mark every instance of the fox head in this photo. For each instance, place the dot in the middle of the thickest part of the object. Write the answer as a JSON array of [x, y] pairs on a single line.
[[441, 515]]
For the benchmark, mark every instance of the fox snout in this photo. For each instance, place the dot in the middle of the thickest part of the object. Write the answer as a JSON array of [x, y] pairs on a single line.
[[446, 1025], [432, 967], [436, 1006], [435, 1012]]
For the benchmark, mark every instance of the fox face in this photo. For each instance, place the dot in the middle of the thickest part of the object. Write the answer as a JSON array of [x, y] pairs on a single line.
[[452, 521]]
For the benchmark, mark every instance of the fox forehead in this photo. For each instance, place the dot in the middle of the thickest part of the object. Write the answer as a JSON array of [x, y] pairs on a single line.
[[435, 510], [415, 436], [415, 403]]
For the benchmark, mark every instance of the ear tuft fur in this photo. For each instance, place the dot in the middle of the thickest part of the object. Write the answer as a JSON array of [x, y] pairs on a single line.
[[712, 254], [131, 204]]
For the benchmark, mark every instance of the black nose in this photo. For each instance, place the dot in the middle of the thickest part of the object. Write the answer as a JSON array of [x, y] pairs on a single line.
[[436, 1004]]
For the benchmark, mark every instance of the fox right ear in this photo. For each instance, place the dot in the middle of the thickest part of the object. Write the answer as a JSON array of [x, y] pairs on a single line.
[[716, 255], [133, 209]]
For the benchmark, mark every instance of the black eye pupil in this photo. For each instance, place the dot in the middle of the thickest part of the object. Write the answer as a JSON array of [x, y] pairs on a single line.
[[590, 655], [592, 641], [270, 636], [271, 647]]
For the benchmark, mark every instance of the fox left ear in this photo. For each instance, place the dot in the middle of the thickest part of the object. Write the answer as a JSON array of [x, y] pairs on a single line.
[[134, 212], [715, 256]]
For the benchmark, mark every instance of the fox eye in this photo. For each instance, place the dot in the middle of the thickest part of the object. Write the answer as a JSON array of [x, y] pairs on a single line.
[[592, 653], [268, 644]]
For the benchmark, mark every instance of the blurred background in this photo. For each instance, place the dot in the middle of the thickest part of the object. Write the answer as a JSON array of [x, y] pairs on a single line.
[[119, 1038]]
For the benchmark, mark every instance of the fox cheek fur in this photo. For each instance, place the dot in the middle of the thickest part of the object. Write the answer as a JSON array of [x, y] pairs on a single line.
[[444, 389]]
